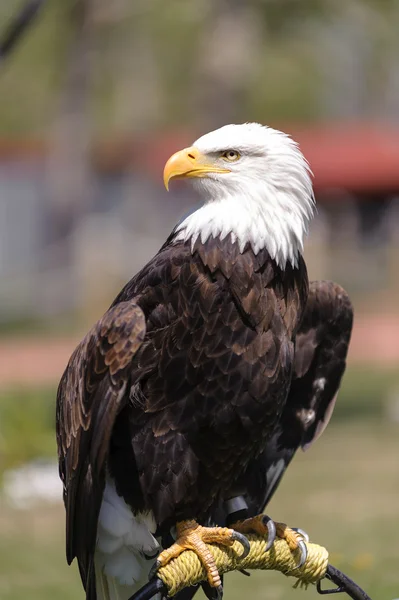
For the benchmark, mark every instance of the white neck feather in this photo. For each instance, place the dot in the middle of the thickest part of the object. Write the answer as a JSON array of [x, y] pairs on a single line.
[[265, 199], [266, 217]]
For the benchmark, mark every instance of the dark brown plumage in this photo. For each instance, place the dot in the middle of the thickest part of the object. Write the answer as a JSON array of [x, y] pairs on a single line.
[[321, 347], [213, 371], [178, 414]]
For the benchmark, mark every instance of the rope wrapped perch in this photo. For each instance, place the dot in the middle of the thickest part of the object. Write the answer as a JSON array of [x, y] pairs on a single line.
[[187, 569]]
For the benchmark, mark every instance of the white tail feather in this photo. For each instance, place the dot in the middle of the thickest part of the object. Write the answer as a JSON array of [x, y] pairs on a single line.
[[122, 540], [108, 587]]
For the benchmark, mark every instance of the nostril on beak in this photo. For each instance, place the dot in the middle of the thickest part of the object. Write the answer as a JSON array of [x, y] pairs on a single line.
[[190, 155]]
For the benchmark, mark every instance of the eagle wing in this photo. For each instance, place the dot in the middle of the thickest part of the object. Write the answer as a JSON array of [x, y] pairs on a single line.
[[320, 357], [90, 395], [321, 348]]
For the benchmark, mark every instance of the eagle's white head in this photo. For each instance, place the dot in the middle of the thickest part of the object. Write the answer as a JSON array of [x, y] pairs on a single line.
[[256, 187]]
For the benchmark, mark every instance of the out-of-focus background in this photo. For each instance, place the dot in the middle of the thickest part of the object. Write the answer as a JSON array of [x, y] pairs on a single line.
[[94, 99]]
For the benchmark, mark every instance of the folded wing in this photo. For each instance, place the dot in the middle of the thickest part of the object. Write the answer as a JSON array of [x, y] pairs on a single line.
[[320, 359], [91, 393]]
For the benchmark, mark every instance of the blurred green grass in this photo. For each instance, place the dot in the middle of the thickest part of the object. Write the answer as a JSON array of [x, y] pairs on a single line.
[[27, 426], [344, 492]]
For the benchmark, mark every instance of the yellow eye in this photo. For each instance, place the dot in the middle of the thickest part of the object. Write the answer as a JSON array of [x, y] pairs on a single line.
[[231, 155]]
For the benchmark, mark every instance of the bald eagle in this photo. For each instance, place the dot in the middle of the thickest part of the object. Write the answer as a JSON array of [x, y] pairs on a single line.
[[188, 391]]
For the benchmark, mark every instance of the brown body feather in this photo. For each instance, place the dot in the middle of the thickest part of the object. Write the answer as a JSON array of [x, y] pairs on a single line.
[[177, 415]]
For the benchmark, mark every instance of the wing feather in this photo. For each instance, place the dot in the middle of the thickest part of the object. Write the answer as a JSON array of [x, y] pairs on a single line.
[[90, 395], [321, 348], [320, 357]]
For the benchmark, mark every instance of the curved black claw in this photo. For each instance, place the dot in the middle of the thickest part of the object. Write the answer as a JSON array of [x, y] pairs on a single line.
[[212, 593], [150, 556], [154, 569], [239, 537], [271, 531], [302, 533], [304, 554]]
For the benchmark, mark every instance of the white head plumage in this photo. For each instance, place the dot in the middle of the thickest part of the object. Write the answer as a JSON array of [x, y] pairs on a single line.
[[256, 187]]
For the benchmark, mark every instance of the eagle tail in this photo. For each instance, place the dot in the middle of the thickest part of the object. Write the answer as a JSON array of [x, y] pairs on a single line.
[[108, 587], [125, 549]]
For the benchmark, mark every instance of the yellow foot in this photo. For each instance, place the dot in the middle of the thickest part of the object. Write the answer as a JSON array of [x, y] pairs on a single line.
[[263, 525], [191, 536]]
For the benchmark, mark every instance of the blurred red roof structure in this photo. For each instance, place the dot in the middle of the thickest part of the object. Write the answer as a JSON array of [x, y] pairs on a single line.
[[357, 158], [362, 158]]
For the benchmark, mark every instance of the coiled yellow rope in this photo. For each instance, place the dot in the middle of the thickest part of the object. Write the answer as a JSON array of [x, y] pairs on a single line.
[[187, 569]]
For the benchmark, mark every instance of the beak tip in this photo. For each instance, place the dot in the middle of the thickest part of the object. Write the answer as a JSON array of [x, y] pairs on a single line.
[[179, 165]]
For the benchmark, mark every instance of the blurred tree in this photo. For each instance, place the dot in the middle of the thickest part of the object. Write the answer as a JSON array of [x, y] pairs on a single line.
[[283, 17], [358, 49], [69, 171], [18, 26], [225, 63], [31, 75], [155, 63]]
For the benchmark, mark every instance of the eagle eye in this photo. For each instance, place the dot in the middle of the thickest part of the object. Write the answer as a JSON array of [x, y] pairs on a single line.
[[231, 155]]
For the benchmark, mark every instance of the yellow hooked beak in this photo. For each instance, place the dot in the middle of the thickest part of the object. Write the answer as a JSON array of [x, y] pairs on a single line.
[[188, 163]]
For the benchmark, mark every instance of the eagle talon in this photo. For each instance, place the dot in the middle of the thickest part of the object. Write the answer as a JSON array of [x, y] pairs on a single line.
[[239, 537], [302, 533], [271, 531], [295, 539], [262, 525], [192, 536], [304, 554]]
